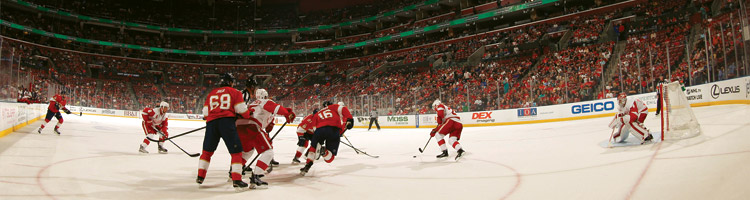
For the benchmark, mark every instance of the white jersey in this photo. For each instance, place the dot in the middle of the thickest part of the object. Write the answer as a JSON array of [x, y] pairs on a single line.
[[265, 111], [634, 105], [446, 113]]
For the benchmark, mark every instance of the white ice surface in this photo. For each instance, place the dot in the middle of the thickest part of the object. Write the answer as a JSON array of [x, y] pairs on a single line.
[[96, 158]]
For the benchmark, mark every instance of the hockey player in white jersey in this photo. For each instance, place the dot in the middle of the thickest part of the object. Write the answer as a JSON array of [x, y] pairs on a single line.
[[253, 134], [630, 120]]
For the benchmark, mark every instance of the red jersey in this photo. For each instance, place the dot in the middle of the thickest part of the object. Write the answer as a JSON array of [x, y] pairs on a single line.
[[334, 115], [224, 102], [154, 117], [56, 103], [306, 123]]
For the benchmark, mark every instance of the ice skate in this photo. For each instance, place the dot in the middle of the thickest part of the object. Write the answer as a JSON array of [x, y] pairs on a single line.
[[648, 139], [295, 161], [199, 180], [256, 183], [460, 153], [239, 186], [305, 169], [443, 155], [274, 163], [39, 130], [162, 150], [57, 131], [142, 149]]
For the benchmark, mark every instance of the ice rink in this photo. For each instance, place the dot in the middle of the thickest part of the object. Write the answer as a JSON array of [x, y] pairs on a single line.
[[97, 157]]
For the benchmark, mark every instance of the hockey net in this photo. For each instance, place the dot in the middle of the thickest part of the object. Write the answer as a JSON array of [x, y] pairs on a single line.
[[677, 118]]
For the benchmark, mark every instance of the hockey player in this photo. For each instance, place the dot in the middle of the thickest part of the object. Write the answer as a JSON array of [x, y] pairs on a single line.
[[254, 134], [304, 135], [630, 120], [247, 94], [56, 104], [329, 125], [448, 124], [154, 125], [221, 107]]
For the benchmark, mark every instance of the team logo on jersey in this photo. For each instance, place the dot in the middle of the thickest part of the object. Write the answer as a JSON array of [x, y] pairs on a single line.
[[716, 90]]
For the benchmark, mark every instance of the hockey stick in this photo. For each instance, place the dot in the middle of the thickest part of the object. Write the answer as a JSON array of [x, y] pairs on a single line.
[[421, 150], [178, 146], [610, 138], [350, 142], [360, 151], [181, 134], [247, 167]]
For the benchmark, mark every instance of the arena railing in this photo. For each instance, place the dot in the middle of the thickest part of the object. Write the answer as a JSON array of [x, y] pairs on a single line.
[[414, 32], [231, 32]]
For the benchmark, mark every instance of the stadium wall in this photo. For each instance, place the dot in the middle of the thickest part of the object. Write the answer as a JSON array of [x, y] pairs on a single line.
[[17, 115], [733, 91]]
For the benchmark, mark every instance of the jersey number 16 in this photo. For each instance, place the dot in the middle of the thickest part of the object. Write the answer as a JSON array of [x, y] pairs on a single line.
[[325, 114]]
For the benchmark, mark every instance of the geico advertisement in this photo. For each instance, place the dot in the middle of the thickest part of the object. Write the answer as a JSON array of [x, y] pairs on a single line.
[[592, 107]]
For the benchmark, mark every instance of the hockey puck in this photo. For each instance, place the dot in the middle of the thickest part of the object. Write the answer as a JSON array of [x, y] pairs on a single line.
[[414, 156]]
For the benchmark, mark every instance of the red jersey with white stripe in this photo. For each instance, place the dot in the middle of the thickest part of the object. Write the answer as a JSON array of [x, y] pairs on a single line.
[[306, 123], [264, 112], [224, 102], [445, 113], [334, 115], [634, 107], [154, 117], [56, 103]]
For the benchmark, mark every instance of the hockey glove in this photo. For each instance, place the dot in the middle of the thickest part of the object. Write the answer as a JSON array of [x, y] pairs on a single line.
[[432, 133], [290, 117], [349, 124], [66, 111], [269, 128], [301, 140]]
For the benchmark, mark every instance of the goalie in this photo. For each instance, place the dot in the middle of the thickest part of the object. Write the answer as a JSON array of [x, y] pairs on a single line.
[[630, 120]]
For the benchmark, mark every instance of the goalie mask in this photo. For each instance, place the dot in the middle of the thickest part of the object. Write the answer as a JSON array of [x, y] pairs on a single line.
[[261, 94], [622, 99]]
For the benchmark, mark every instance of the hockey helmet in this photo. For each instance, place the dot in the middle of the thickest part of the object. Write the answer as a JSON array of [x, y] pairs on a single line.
[[227, 80], [251, 83], [327, 103], [315, 111], [622, 99], [261, 94], [435, 103], [341, 103], [164, 106]]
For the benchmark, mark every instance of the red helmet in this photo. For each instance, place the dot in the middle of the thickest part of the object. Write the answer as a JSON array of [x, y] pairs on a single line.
[[622, 99]]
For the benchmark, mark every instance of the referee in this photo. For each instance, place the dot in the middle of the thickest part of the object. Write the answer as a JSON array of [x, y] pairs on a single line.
[[374, 118]]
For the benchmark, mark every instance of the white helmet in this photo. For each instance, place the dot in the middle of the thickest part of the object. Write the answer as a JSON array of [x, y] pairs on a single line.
[[164, 104], [261, 94], [341, 103], [435, 103]]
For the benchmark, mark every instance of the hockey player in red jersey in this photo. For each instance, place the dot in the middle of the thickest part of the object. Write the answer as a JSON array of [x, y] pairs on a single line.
[[221, 107], [253, 133], [330, 123], [304, 135], [448, 124], [154, 125], [630, 120], [56, 104]]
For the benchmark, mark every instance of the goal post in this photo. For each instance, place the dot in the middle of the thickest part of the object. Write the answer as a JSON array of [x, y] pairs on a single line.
[[677, 118]]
